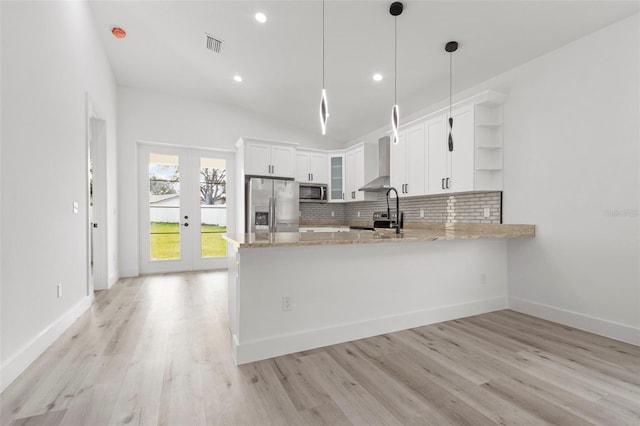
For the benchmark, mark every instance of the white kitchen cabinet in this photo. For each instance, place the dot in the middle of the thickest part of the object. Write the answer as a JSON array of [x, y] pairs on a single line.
[[264, 158], [408, 161], [355, 173], [451, 171], [460, 161], [398, 162], [311, 166], [336, 177], [436, 141]]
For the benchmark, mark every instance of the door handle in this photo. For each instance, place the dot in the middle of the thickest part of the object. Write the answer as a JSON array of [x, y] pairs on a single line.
[[309, 177], [312, 177], [442, 183], [447, 183], [95, 225], [275, 222], [186, 224]]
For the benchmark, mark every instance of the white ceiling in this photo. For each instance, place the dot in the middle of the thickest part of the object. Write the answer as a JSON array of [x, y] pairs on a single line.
[[281, 61]]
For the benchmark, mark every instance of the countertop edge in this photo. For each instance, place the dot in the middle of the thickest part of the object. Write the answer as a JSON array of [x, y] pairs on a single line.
[[444, 232]]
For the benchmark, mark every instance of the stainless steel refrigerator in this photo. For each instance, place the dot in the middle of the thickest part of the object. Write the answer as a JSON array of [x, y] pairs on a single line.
[[272, 205]]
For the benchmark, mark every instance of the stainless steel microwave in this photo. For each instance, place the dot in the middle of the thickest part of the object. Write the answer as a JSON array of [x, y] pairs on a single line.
[[313, 193]]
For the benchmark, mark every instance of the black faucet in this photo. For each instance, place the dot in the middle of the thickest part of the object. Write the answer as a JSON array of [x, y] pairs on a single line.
[[396, 223]]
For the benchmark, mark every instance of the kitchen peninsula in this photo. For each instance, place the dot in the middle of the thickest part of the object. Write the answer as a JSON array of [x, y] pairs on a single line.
[[290, 292]]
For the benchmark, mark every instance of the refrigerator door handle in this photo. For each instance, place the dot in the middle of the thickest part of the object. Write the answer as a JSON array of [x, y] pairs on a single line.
[[275, 222], [270, 223]]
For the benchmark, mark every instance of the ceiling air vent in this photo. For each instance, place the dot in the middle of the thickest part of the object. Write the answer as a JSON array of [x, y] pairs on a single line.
[[213, 43]]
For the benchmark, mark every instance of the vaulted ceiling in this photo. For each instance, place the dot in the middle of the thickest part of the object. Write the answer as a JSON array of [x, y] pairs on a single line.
[[280, 61]]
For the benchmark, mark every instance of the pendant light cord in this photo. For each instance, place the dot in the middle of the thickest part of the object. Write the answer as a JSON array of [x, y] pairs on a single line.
[[323, 44], [395, 62], [450, 80]]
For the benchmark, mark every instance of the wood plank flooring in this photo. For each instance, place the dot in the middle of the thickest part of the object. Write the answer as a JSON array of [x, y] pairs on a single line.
[[155, 350]]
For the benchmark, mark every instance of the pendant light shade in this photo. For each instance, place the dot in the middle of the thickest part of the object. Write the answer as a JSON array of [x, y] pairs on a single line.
[[395, 10], [450, 47], [395, 121], [324, 111], [324, 107]]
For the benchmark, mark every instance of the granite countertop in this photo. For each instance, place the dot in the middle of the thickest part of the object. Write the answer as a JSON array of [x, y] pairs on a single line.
[[421, 233]]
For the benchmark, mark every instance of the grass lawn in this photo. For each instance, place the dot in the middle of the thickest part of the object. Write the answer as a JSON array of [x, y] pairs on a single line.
[[165, 240]]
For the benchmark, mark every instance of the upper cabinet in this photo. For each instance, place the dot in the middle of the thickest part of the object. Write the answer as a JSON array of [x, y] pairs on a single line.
[[423, 164], [437, 157], [349, 171], [408, 171], [451, 170], [265, 158], [356, 172], [311, 166], [336, 176]]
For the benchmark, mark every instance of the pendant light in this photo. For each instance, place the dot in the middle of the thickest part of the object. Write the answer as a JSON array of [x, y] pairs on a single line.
[[395, 10], [450, 47], [324, 109]]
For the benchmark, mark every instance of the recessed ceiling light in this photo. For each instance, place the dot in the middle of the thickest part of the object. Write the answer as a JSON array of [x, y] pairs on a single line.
[[261, 17], [237, 78], [377, 77]]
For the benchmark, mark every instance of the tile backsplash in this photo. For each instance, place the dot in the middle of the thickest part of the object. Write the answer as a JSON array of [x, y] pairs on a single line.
[[452, 208]]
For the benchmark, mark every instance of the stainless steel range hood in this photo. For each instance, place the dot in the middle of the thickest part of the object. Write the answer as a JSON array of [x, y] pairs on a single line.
[[383, 181]]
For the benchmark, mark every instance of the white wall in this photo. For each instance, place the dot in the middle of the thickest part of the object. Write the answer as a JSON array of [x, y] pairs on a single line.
[[153, 117], [571, 168], [51, 59]]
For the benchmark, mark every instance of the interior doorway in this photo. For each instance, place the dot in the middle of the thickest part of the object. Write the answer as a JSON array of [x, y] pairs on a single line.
[[97, 203], [184, 208]]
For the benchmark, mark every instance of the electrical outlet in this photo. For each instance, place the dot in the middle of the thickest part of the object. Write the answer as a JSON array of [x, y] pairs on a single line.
[[333, 214], [286, 303], [59, 290], [421, 212], [487, 212], [483, 278]]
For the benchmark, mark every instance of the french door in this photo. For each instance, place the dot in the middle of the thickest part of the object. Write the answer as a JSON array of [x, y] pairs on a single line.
[[183, 208]]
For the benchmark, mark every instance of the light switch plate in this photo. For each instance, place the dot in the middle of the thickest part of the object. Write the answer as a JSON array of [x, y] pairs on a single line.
[[75, 207]]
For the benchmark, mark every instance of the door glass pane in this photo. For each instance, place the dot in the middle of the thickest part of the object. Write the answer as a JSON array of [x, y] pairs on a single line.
[[213, 207], [164, 207]]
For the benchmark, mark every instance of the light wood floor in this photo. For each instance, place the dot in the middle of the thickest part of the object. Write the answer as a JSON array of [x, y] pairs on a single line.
[[155, 350]]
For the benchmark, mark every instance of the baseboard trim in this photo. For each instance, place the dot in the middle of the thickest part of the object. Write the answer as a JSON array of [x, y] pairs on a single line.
[[129, 273], [20, 360], [611, 329], [255, 350], [113, 278]]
